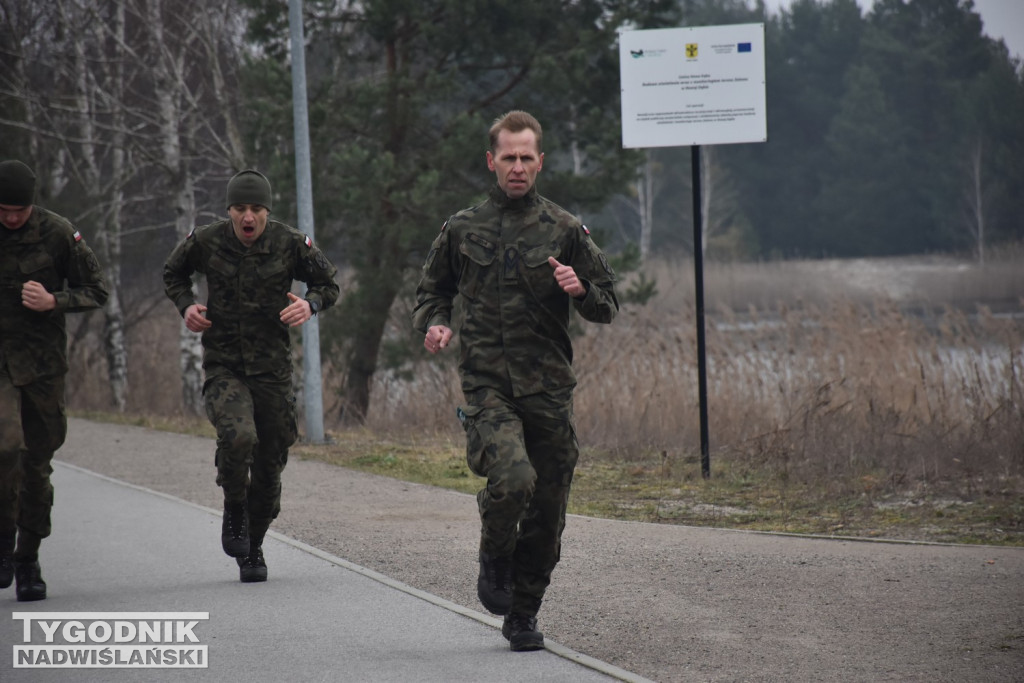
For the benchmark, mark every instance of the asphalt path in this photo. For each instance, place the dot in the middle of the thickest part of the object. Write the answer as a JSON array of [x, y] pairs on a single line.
[[669, 603], [123, 550]]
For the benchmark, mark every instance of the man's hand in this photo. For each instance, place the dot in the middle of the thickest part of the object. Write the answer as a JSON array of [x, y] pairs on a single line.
[[297, 312], [437, 338], [35, 297], [194, 318], [566, 278]]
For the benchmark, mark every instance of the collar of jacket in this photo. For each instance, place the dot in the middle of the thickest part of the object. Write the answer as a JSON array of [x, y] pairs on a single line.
[[503, 202]]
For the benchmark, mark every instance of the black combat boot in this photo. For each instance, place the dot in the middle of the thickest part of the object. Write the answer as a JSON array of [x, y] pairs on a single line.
[[252, 568], [6, 561], [30, 581], [520, 630], [494, 586], [234, 534]]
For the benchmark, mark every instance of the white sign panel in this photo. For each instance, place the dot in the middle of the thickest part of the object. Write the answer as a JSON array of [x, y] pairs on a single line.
[[693, 86]]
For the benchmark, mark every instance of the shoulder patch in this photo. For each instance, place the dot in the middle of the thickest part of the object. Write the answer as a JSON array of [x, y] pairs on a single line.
[[586, 231], [77, 236], [308, 241], [444, 225], [191, 234]]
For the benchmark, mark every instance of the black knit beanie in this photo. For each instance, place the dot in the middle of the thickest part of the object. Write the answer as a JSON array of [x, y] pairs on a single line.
[[17, 184], [249, 187]]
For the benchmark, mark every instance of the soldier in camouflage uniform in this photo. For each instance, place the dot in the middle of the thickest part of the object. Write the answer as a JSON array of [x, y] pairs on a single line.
[[521, 265], [250, 263], [46, 270]]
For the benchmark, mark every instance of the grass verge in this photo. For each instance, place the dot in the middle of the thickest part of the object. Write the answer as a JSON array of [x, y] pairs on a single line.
[[733, 497], [736, 496]]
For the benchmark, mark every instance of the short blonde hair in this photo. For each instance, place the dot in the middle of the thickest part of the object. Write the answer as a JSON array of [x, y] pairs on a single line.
[[515, 121]]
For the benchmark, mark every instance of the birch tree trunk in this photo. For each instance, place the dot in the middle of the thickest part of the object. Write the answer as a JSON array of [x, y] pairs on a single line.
[[168, 69], [91, 88], [707, 184], [114, 325], [190, 345], [976, 201], [645, 204]]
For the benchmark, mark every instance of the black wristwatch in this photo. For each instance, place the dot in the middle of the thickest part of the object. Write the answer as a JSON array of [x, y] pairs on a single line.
[[314, 307]]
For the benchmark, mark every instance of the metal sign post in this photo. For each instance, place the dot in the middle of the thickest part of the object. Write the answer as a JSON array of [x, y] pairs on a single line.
[[698, 276], [688, 87]]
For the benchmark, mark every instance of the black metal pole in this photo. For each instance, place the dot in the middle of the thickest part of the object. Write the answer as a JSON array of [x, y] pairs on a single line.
[[698, 274]]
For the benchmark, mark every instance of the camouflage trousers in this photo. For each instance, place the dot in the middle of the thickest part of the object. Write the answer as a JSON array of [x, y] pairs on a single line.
[[33, 425], [526, 448], [256, 424]]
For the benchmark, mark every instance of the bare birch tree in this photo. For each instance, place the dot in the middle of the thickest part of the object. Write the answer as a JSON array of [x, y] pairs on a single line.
[[189, 111], [62, 105], [645, 203], [720, 204], [98, 92], [133, 98], [975, 198]]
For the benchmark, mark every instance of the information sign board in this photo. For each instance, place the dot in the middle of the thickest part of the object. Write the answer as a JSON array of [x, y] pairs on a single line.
[[693, 86]]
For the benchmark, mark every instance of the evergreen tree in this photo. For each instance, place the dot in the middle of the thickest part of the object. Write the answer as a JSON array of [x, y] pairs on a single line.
[[918, 58], [402, 95], [858, 214], [809, 50]]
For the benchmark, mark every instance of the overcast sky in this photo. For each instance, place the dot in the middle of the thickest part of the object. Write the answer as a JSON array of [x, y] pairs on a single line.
[[1001, 19]]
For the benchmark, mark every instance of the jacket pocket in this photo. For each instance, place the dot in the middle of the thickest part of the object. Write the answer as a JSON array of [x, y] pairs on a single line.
[[478, 255], [538, 271], [222, 266], [35, 261]]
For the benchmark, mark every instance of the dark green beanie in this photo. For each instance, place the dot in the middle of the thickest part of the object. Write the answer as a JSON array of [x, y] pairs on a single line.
[[249, 187], [17, 184]]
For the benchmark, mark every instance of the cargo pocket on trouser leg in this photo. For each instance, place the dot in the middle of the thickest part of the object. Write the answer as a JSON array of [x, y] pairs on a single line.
[[475, 444]]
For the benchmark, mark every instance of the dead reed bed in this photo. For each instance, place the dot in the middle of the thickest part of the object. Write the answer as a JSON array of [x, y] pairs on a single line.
[[818, 372]]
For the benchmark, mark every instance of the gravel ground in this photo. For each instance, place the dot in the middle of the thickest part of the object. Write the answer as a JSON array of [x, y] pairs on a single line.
[[670, 603]]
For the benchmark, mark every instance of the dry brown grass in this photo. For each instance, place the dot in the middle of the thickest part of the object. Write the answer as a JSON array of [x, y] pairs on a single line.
[[859, 378], [865, 380]]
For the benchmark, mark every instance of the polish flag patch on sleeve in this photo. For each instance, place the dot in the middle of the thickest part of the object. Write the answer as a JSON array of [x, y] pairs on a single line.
[[586, 230], [309, 242], [77, 236]]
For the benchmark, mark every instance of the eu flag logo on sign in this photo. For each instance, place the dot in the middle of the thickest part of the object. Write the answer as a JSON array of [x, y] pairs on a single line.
[[743, 47]]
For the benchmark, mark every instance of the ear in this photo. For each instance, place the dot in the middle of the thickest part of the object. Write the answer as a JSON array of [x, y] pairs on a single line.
[[540, 162], [490, 161]]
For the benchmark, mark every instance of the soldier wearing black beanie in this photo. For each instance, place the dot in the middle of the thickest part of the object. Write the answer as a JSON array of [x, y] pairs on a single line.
[[17, 184], [250, 263], [46, 270]]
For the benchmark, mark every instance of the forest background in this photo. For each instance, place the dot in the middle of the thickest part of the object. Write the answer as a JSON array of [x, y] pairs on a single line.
[[865, 272]]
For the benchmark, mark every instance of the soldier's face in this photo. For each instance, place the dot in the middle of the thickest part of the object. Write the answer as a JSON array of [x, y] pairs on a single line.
[[248, 221], [13, 217], [515, 162]]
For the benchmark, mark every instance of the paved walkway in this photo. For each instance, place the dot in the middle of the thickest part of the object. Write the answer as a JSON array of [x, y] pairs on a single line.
[[121, 548], [675, 604]]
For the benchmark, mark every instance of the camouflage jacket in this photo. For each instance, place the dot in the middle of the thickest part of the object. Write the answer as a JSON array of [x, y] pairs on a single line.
[[248, 288], [48, 250], [515, 331]]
